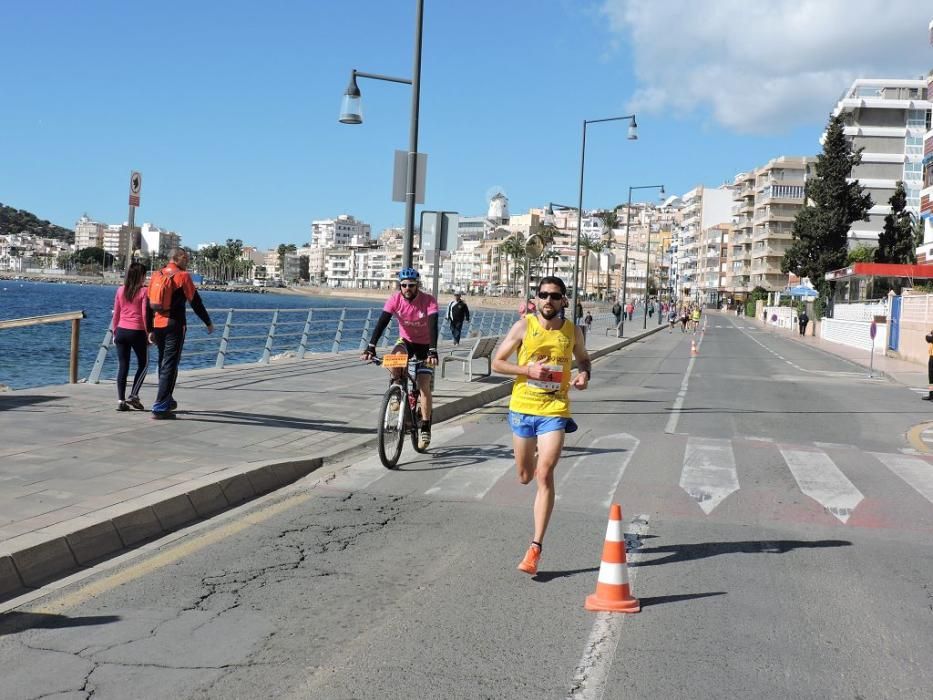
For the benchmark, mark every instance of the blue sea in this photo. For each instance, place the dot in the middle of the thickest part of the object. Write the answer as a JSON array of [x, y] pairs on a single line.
[[38, 355]]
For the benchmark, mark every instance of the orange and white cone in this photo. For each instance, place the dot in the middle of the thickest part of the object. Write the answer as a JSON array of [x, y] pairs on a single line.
[[612, 588], [693, 349]]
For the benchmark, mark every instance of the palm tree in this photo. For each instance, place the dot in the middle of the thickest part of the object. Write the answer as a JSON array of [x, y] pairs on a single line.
[[282, 250], [591, 245], [514, 248]]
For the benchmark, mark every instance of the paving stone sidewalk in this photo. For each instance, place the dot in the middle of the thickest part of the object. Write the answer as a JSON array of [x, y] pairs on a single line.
[[80, 481]]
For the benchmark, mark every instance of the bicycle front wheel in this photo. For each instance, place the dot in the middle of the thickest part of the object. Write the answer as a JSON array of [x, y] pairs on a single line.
[[416, 426], [391, 426]]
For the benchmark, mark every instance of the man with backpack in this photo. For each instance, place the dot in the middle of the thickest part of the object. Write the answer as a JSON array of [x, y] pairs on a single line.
[[169, 290]]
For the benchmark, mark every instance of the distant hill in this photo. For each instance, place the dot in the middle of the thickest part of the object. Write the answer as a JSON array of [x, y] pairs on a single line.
[[21, 221]]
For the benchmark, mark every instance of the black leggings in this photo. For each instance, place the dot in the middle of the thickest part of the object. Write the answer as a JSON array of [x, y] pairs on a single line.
[[126, 340]]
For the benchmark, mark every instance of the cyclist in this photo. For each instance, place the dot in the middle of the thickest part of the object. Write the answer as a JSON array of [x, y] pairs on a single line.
[[416, 312]]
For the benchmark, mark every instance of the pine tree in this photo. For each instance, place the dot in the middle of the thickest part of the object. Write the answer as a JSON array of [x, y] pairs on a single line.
[[821, 227], [896, 242]]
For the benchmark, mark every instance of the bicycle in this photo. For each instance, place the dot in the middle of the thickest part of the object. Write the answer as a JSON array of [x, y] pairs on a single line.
[[393, 424]]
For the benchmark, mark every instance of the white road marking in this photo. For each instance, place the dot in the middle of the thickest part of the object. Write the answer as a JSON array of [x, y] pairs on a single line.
[[681, 395], [363, 474], [916, 472], [591, 472], [709, 475], [592, 673], [819, 478], [473, 481]]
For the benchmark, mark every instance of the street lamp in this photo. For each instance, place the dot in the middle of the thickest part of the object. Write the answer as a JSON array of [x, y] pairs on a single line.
[[351, 113], [628, 220], [632, 136]]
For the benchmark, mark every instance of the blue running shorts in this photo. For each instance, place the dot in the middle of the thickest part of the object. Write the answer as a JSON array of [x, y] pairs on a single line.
[[527, 426]]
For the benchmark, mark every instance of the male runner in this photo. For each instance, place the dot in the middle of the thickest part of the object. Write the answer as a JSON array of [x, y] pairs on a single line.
[[417, 322], [539, 411]]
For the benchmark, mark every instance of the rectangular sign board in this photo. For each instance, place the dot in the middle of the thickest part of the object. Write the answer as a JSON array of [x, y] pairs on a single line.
[[400, 176]]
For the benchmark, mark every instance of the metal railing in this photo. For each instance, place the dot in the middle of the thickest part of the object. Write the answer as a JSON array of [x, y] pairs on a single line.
[[73, 316], [263, 335]]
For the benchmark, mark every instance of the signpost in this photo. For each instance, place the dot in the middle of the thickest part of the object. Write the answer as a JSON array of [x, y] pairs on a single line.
[[136, 186], [872, 331]]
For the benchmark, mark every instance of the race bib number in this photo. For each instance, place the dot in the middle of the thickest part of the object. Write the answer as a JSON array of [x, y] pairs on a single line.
[[551, 381]]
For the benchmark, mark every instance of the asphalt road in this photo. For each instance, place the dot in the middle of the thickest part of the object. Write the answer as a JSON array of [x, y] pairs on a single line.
[[779, 540]]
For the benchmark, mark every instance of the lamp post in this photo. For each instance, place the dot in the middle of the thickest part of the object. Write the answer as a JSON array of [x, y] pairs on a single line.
[[628, 220], [351, 113], [632, 136]]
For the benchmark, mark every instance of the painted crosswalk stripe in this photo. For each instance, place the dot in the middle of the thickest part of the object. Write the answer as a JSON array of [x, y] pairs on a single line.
[[709, 475], [916, 472], [473, 481], [819, 478], [595, 477], [368, 471]]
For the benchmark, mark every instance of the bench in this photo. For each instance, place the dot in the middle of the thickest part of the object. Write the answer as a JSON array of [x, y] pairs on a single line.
[[482, 350]]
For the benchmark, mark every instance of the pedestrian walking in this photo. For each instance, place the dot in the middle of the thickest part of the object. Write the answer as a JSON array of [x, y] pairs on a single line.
[[650, 310], [630, 310], [617, 312], [929, 396], [539, 410], [131, 334], [457, 313], [169, 290], [671, 319], [526, 307], [802, 321], [588, 321]]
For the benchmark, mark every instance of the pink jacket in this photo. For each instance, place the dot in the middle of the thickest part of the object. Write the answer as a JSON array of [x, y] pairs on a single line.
[[130, 315]]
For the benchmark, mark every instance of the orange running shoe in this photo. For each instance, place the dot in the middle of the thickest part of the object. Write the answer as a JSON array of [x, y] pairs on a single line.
[[530, 563]]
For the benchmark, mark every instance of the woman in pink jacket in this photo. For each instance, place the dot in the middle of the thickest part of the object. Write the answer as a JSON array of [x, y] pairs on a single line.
[[131, 332]]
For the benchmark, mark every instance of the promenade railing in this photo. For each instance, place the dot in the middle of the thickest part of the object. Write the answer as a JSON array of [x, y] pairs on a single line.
[[262, 335], [73, 316]]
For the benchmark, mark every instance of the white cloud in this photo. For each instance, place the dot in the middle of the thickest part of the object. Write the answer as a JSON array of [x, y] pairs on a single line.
[[761, 67]]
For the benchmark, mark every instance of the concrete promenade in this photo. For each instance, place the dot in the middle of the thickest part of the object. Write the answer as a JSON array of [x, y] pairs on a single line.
[[80, 481]]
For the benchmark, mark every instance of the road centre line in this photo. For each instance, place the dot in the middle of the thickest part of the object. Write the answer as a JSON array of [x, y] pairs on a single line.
[[681, 395], [592, 673], [823, 372]]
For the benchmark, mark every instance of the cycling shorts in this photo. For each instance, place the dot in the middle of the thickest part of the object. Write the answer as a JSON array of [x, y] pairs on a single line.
[[415, 350], [528, 426]]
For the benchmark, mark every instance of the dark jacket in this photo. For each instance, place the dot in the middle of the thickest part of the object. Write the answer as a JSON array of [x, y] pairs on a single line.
[[458, 311]]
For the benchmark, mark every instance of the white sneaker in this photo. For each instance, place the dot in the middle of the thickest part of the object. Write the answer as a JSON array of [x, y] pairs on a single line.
[[424, 439]]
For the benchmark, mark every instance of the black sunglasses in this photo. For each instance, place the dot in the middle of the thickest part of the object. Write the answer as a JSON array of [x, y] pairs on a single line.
[[553, 296], [406, 286]]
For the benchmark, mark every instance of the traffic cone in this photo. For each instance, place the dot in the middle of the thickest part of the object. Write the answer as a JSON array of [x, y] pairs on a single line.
[[612, 589], [693, 349]]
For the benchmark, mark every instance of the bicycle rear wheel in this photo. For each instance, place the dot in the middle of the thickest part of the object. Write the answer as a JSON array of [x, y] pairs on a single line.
[[391, 426]]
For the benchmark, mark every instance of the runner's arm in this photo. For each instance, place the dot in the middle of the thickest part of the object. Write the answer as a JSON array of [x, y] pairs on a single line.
[[509, 345]]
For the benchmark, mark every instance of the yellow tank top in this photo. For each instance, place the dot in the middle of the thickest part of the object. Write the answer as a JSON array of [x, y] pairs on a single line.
[[555, 348]]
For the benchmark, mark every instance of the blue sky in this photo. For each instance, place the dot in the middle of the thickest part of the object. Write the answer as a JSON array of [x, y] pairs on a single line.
[[230, 109]]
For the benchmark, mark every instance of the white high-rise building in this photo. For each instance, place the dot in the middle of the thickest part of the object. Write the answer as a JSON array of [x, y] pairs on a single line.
[[888, 119], [157, 241], [925, 251], [342, 231]]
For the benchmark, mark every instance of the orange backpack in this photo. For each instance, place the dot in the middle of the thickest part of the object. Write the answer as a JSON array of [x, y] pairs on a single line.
[[160, 290]]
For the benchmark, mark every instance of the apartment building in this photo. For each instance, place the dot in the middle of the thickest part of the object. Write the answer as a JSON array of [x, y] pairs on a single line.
[[703, 208], [115, 239], [765, 203], [925, 251], [712, 256], [88, 233], [342, 231], [158, 241], [888, 119]]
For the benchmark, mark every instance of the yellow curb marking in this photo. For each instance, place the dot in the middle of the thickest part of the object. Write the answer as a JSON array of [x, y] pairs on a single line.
[[913, 437], [169, 556]]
